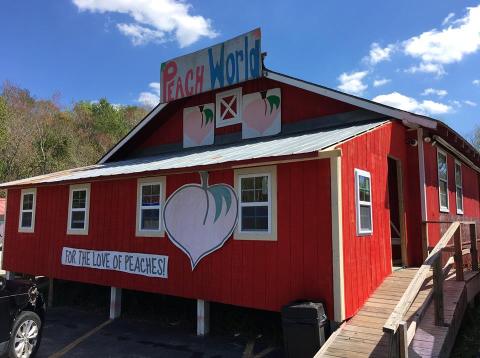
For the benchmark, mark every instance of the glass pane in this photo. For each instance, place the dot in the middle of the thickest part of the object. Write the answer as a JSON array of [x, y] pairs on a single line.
[[28, 202], [365, 218], [27, 219], [150, 219], [255, 189], [442, 166], [151, 195], [458, 175], [364, 187], [78, 220], [443, 194], [79, 199], [459, 199], [255, 218]]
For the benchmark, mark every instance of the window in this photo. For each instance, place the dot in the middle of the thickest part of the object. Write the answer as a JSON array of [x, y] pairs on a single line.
[[228, 107], [150, 199], [78, 208], [459, 187], [26, 222], [442, 180], [363, 189], [257, 191]]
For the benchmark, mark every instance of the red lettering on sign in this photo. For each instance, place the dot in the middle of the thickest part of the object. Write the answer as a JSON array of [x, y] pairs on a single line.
[[199, 79], [169, 73]]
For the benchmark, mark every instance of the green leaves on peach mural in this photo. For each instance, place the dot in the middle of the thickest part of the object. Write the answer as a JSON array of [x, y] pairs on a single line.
[[273, 101]]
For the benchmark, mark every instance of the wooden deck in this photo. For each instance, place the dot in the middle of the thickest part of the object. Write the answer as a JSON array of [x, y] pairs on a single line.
[[363, 336]]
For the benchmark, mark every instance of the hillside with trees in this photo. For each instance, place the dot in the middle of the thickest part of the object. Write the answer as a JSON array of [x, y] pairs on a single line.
[[39, 136]]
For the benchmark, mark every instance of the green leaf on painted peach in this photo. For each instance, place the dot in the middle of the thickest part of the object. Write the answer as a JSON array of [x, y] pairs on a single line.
[[273, 101], [162, 66], [220, 194], [208, 115]]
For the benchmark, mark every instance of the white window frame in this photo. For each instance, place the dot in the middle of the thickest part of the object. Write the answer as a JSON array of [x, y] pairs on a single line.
[[443, 209], [271, 173], [141, 182], [218, 115], [31, 228], [73, 188], [359, 203], [457, 186]]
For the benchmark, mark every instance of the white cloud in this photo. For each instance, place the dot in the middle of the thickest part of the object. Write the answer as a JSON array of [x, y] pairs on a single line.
[[140, 35], [352, 82], [410, 104], [433, 91], [448, 18], [154, 20], [436, 48], [470, 103], [152, 97], [427, 68], [381, 82], [476, 82], [378, 54]]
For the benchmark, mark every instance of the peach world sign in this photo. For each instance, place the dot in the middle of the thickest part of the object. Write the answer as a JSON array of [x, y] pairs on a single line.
[[224, 64]]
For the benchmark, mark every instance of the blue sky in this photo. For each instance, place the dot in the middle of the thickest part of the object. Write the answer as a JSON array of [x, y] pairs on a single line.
[[422, 56]]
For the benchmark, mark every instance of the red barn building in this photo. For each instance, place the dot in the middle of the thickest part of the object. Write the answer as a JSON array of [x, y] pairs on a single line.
[[256, 194]]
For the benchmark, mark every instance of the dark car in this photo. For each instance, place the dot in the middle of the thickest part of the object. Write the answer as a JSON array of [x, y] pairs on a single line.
[[22, 311]]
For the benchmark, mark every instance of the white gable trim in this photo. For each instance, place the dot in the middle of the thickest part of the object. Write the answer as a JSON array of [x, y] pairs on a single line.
[[355, 101], [134, 131]]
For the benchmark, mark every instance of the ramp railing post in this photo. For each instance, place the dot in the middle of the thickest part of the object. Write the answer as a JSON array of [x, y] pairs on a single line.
[[438, 291], [458, 257], [473, 246], [403, 339]]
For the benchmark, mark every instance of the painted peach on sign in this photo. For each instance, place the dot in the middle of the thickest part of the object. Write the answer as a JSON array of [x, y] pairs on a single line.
[[200, 218], [261, 114], [198, 125]]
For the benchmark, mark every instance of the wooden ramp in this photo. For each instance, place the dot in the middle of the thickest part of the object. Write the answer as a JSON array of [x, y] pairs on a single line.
[[415, 312], [363, 336]]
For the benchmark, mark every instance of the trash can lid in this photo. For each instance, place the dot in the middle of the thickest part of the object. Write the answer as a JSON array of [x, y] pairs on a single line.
[[304, 310]]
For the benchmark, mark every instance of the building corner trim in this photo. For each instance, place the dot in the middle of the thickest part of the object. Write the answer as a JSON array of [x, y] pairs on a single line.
[[337, 238]]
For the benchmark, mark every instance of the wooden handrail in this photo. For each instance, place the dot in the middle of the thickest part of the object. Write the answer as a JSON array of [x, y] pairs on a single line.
[[411, 293], [396, 327]]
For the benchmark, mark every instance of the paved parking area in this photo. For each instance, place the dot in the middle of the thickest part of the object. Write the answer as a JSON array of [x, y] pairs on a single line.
[[130, 338]]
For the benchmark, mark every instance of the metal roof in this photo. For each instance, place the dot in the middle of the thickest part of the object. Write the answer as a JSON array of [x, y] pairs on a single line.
[[266, 148]]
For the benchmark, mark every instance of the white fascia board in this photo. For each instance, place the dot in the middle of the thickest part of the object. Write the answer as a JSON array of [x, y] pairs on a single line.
[[134, 131], [355, 101]]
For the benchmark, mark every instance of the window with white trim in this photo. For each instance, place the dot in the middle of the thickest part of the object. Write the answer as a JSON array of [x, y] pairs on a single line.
[[363, 195], [442, 180], [150, 201], [26, 222], [78, 209], [459, 187], [256, 191]]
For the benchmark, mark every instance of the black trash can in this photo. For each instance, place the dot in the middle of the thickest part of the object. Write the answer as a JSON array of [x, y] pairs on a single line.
[[305, 328]]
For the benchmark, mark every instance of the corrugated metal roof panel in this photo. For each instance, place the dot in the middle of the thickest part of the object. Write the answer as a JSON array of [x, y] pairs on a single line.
[[294, 145]]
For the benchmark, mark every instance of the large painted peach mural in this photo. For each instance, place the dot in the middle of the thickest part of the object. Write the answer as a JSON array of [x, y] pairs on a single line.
[[199, 218], [198, 125]]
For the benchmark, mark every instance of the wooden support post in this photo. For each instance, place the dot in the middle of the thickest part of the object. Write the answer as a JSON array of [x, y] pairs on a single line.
[[115, 302], [403, 339], [457, 238], [50, 293], [438, 291], [9, 275], [424, 240], [203, 317], [473, 247], [393, 343]]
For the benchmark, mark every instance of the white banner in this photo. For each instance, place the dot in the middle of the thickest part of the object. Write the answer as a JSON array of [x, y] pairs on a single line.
[[129, 262]]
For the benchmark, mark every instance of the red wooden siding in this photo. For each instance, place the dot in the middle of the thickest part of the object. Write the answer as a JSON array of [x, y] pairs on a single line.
[[297, 104], [471, 196], [257, 274], [367, 259]]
